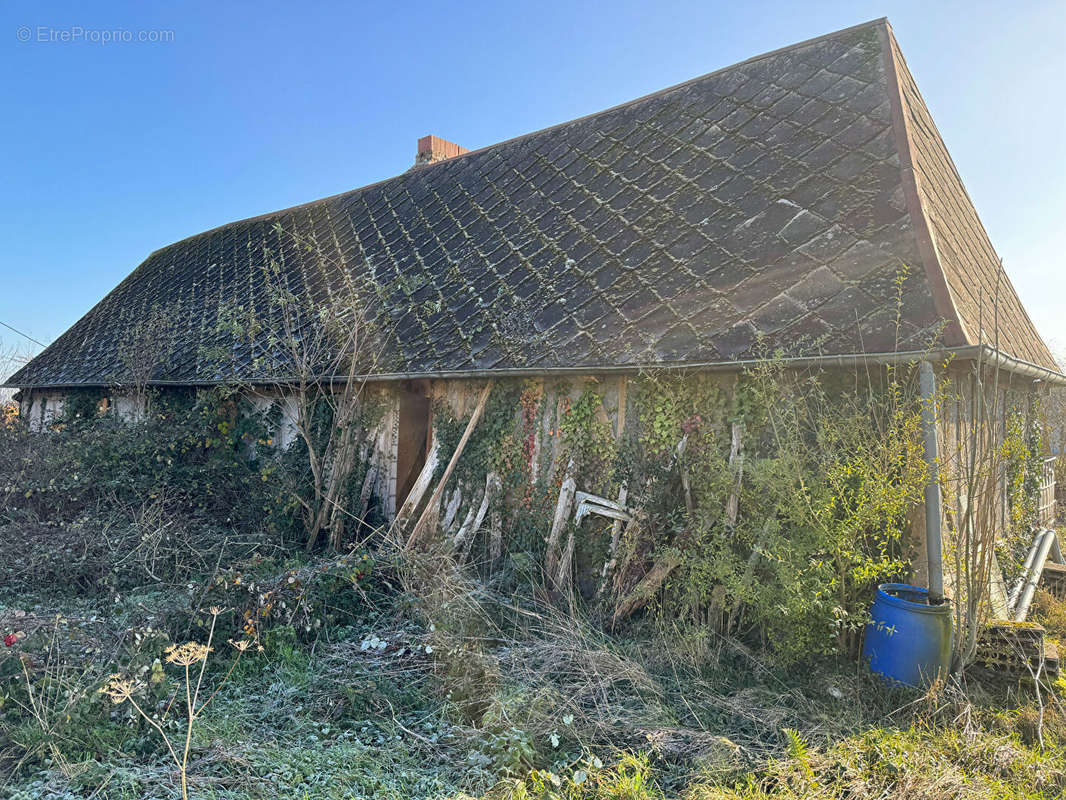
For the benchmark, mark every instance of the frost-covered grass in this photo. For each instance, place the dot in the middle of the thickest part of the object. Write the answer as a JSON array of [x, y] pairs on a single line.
[[405, 700], [324, 720]]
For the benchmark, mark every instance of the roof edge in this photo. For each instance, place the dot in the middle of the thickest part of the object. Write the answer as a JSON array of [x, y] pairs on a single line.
[[955, 333], [965, 352], [880, 21]]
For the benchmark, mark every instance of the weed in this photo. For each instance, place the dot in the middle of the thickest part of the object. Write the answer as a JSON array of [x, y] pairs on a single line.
[[188, 656]]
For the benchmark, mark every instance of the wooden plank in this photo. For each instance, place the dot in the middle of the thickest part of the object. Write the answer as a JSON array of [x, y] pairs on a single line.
[[452, 509], [464, 540], [479, 409], [495, 537], [421, 484], [736, 467], [560, 520], [620, 423]]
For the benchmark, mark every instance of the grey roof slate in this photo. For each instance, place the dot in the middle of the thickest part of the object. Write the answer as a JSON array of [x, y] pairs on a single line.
[[767, 206]]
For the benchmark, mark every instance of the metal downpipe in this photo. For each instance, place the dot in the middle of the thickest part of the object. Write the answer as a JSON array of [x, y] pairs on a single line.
[[933, 539]]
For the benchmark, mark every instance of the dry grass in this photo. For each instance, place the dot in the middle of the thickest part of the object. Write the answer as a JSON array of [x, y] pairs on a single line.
[[446, 683], [1050, 612]]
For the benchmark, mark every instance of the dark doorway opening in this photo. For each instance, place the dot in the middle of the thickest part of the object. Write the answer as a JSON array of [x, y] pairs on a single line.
[[415, 431]]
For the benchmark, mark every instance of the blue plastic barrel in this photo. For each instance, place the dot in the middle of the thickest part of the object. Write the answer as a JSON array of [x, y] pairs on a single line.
[[907, 640]]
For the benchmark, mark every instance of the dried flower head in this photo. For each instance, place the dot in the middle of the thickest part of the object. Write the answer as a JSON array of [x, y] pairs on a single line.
[[214, 611], [185, 655], [241, 645], [117, 688]]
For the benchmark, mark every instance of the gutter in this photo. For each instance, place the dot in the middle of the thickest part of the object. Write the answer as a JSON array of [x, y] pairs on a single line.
[[988, 354]]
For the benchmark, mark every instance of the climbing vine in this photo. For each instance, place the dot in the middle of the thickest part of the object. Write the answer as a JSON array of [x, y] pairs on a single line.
[[783, 537], [490, 441], [766, 505], [587, 439]]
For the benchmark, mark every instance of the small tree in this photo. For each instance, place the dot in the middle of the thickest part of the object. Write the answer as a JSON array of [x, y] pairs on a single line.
[[143, 350], [979, 461], [319, 353]]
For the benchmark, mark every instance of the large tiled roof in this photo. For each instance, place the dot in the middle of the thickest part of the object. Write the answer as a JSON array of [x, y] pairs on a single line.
[[769, 206]]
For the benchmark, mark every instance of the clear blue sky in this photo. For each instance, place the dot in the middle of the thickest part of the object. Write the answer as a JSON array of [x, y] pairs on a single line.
[[110, 151]]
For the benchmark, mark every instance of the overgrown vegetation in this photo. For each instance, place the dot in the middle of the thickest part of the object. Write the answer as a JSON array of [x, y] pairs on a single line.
[[446, 696], [760, 512], [102, 504], [796, 496]]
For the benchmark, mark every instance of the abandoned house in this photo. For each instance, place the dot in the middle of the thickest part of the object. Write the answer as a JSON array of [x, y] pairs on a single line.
[[768, 207]]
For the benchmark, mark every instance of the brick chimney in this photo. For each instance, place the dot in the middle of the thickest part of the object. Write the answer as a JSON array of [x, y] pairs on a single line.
[[432, 149]]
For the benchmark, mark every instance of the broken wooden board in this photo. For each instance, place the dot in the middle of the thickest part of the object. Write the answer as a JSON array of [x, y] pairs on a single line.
[[601, 506], [434, 499]]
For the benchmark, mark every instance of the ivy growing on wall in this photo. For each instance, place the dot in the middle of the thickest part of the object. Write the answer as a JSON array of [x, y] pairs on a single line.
[[823, 492], [200, 451], [587, 439], [484, 451]]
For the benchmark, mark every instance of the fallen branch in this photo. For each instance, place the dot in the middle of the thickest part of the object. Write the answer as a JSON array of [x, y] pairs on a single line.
[[647, 588]]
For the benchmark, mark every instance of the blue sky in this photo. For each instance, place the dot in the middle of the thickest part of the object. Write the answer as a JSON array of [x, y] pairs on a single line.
[[111, 150]]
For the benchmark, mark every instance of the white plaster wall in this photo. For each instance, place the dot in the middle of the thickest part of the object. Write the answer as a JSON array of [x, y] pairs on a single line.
[[53, 408], [35, 414], [286, 431], [41, 409], [380, 445], [127, 407]]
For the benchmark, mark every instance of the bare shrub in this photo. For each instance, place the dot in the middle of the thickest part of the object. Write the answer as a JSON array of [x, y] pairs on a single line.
[[315, 347], [144, 349]]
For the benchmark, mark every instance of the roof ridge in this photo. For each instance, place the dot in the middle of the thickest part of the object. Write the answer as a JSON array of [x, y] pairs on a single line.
[[882, 21], [897, 51], [955, 332], [920, 190]]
